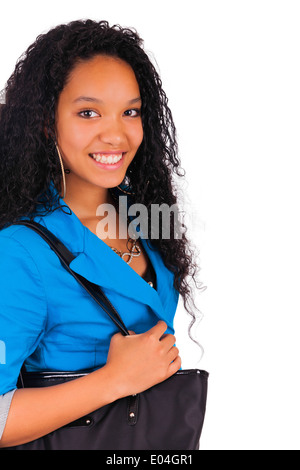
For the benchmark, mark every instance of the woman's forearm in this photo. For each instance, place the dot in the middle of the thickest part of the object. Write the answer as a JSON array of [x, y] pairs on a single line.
[[35, 412], [134, 364]]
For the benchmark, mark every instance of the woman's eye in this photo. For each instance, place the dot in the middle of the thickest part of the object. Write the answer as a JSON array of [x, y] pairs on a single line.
[[133, 112], [88, 113]]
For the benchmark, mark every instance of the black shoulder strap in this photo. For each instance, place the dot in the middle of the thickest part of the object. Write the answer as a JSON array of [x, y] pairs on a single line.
[[66, 257]]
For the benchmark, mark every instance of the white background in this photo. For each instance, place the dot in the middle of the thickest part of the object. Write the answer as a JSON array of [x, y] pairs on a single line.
[[231, 71]]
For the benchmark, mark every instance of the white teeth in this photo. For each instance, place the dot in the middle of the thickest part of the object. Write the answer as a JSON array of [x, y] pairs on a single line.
[[106, 158]]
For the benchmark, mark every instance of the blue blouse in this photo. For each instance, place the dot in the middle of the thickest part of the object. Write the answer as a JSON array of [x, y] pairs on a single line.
[[48, 320]]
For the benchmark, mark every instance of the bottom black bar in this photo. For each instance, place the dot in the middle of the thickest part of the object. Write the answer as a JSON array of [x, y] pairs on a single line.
[[139, 459]]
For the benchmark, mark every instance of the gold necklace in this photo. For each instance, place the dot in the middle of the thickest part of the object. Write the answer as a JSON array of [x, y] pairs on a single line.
[[133, 252]]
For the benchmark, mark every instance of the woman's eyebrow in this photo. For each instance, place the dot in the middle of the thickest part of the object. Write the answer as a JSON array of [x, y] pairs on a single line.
[[97, 100]]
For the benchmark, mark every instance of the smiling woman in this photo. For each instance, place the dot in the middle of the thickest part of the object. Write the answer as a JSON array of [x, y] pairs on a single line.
[[85, 121]]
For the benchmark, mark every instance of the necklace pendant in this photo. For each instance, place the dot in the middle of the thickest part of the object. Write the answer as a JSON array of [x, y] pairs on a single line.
[[133, 252], [126, 254]]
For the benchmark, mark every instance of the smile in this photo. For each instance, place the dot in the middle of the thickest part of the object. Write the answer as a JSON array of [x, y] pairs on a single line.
[[106, 158]]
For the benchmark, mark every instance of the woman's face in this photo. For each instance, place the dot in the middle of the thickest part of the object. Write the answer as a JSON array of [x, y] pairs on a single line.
[[98, 122]]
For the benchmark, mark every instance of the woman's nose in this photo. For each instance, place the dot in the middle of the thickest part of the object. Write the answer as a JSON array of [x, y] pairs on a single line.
[[112, 132]]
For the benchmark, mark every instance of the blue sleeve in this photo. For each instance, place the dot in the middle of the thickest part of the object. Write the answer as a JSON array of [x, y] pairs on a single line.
[[23, 310]]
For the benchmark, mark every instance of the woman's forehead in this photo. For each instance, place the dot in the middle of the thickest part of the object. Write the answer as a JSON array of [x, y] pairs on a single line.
[[102, 77]]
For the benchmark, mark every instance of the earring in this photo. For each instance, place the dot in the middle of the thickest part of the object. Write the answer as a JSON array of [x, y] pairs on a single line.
[[62, 170]]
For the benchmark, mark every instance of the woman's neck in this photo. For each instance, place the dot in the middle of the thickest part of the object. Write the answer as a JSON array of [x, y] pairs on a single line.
[[84, 198]]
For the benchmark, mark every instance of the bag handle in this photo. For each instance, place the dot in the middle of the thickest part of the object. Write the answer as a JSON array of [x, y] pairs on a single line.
[[66, 257]]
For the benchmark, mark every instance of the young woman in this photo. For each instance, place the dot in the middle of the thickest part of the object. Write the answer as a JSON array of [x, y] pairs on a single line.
[[85, 121]]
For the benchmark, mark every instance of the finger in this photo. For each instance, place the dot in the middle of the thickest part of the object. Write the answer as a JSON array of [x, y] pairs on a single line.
[[131, 332], [117, 335], [168, 341], [158, 329], [174, 366], [173, 354], [116, 338]]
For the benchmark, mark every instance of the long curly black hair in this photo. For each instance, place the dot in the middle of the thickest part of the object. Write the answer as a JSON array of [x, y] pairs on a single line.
[[28, 159]]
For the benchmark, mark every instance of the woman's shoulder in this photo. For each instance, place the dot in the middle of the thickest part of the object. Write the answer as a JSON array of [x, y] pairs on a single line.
[[17, 235], [19, 244]]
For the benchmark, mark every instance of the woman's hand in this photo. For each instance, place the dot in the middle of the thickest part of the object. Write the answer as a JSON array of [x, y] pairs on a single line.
[[140, 361]]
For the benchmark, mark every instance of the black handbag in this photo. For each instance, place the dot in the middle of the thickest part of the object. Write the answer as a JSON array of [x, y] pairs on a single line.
[[168, 416]]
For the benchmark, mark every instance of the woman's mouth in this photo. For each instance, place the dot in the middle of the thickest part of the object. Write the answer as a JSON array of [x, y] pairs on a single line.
[[109, 161]]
